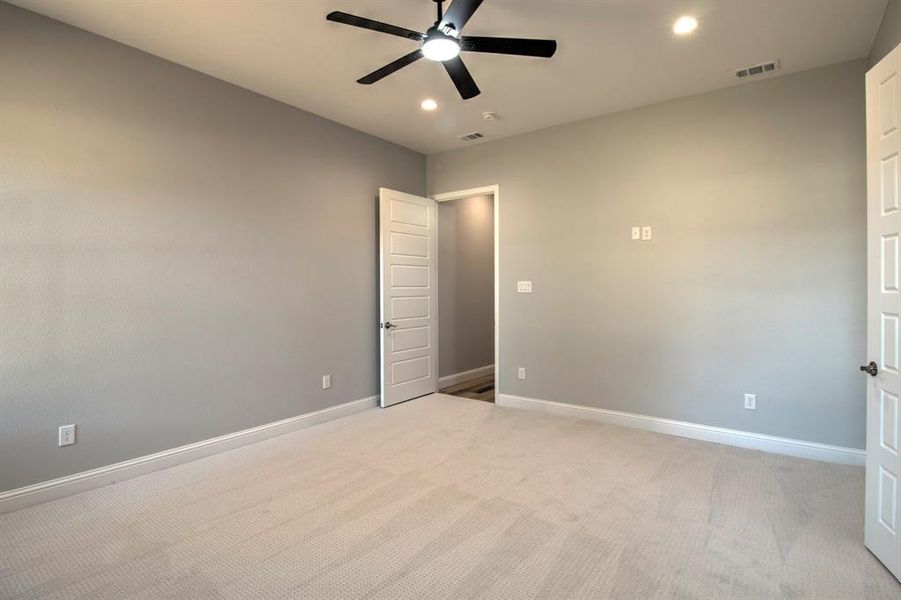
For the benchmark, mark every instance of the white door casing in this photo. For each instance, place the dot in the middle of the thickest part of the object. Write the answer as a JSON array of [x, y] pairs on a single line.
[[883, 495], [407, 272], [495, 192]]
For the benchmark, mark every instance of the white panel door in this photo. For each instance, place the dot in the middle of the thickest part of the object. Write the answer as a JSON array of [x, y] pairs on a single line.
[[883, 495], [408, 244]]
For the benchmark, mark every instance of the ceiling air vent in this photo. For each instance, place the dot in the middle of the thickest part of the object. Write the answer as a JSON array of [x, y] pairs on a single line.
[[767, 67], [475, 135]]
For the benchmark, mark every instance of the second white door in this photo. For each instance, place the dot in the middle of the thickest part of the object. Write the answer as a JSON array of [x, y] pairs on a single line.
[[883, 490]]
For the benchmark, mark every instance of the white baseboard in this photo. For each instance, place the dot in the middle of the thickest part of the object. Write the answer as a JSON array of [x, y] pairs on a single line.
[[707, 433], [456, 378], [87, 480]]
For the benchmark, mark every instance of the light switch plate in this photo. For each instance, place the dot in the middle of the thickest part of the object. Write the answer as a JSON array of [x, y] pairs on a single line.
[[524, 287], [636, 233], [646, 233]]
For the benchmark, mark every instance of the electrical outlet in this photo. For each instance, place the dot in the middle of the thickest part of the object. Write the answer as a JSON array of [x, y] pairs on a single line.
[[522, 373], [751, 401], [326, 382], [636, 233], [66, 435], [646, 233], [524, 287]]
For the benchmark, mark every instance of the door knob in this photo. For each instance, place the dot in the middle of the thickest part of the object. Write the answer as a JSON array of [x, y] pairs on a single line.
[[871, 368], [389, 325]]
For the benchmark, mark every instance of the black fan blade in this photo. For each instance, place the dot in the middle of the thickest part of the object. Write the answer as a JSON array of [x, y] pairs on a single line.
[[517, 46], [391, 67], [458, 72], [459, 13], [342, 17]]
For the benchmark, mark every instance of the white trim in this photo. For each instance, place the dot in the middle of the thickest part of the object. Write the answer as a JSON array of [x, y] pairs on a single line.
[[495, 190], [707, 433], [462, 376], [95, 478], [476, 191]]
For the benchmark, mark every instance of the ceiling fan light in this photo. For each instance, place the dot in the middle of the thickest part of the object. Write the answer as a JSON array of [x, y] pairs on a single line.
[[440, 49]]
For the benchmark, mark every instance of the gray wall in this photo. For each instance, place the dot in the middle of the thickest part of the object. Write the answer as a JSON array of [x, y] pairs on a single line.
[[179, 258], [755, 278], [889, 34], [465, 284]]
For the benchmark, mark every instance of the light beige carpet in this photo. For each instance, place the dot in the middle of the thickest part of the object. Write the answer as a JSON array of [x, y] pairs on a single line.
[[445, 497]]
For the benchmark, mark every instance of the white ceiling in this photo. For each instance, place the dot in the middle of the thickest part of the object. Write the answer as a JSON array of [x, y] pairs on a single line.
[[612, 55]]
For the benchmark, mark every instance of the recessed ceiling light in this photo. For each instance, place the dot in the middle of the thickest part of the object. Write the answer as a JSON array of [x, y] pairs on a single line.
[[429, 104], [685, 25]]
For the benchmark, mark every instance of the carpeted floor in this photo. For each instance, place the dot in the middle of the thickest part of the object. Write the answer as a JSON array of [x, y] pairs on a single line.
[[444, 497]]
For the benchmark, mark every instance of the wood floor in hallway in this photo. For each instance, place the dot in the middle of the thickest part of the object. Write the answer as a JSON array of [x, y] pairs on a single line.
[[475, 389]]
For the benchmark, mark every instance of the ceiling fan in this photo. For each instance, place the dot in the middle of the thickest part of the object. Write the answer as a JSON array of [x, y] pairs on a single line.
[[443, 43]]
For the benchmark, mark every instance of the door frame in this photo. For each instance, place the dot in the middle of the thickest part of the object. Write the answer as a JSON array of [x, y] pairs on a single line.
[[493, 190]]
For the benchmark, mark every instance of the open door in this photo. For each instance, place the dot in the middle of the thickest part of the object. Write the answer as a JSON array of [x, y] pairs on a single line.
[[883, 496], [407, 249]]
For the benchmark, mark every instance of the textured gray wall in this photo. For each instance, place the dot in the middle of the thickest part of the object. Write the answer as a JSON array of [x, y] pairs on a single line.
[[179, 258], [465, 284], [889, 34], [754, 282]]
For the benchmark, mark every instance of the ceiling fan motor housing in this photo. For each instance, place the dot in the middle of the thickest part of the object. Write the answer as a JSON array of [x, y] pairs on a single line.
[[439, 46]]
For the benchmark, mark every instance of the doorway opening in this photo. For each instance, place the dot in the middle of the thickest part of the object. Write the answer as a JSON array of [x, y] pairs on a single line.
[[467, 274]]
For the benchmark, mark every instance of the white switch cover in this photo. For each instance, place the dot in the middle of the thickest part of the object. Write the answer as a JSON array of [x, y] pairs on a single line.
[[66, 435], [524, 287], [646, 233], [636, 233], [522, 373], [751, 401], [326, 382]]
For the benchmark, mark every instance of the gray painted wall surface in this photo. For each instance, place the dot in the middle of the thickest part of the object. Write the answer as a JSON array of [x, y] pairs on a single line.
[[754, 281], [465, 284], [179, 258], [889, 34]]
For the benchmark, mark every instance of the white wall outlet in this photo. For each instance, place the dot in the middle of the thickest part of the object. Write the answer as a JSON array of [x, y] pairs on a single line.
[[66, 435], [751, 401], [326, 382], [646, 233], [636, 233], [524, 287], [522, 373]]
